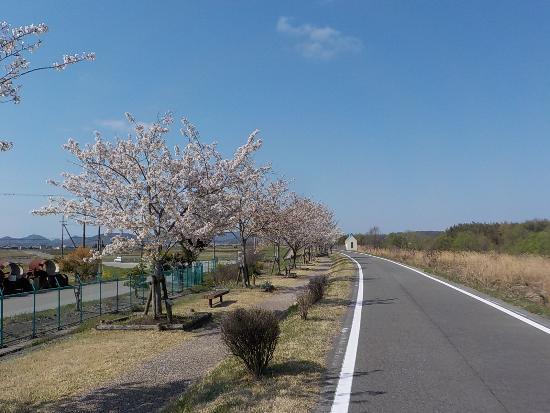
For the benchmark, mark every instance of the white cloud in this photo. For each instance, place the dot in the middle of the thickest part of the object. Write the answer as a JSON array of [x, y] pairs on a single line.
[[116, 125], [120, 126], [315, 42]]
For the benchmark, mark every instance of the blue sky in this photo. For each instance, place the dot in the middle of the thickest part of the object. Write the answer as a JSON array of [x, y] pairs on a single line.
[[406, 115]]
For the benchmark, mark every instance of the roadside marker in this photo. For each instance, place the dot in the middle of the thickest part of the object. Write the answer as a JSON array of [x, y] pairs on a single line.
[[343, 389], [511, 313]]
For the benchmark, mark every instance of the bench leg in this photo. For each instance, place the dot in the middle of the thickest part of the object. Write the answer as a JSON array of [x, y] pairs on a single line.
[[221, 298], [210, 302]]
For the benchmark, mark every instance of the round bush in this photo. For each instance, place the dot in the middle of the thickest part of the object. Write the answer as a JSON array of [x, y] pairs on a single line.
[[251, 335], [317, 286], [304, 302]]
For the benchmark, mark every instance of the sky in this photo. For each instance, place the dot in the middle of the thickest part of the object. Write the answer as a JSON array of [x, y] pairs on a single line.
[[408, 115]]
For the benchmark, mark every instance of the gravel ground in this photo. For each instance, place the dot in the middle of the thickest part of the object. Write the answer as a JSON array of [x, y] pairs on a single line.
[[155, 383]]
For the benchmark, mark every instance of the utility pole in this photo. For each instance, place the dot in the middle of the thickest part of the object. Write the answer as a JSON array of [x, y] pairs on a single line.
[[62, 234], [69, 234], [99, 244], [84, 232]]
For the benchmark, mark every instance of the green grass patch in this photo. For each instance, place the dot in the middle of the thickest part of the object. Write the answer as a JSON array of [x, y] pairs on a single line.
[[110, 273]]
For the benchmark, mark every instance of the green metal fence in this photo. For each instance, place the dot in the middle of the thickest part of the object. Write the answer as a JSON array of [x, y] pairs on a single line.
[[38, 313]]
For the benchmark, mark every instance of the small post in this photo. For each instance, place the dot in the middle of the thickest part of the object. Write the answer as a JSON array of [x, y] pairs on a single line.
[[1, 318], [130, 281], [116, 311], [100, 295], [33, 311], [143, 289], [80, 298], [58, 304], [173, 280]]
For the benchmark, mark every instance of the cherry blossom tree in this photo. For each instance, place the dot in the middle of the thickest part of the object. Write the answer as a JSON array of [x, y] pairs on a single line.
[[16, 43], [297, 216], [277, 200], [322, 231], [306, 224], [246, 205], [160, 196]]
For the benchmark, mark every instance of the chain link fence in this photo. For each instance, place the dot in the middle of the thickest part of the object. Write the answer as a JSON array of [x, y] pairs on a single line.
[[37, 313]]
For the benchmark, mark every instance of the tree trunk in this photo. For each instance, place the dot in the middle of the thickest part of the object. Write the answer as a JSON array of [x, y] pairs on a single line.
[[155, 290], [154, 297], [294, 253], [278, 258], [158, 296], [166, 300], [148, 303], [246, 279]]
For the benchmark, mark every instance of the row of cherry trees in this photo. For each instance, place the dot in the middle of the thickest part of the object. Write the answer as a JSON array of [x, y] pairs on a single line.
[[165, 197], [185, 195]]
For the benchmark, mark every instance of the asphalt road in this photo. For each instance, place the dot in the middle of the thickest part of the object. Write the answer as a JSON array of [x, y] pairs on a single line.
[[46, 300], [424, 347]]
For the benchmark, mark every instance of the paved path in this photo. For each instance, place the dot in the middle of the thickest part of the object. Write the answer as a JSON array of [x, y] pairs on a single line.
[[424, 347], [46, 300], [152, 385]]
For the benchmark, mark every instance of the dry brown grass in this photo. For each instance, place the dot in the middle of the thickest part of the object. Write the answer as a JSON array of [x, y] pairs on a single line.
[[82, 361], [75, 364], [525, 277], [243, 297], [293, 382]]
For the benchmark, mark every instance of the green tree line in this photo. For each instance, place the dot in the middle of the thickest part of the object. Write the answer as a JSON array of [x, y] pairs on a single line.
[[529, 237]]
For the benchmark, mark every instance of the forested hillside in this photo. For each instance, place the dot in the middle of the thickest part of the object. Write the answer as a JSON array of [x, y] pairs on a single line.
[[530, 237]]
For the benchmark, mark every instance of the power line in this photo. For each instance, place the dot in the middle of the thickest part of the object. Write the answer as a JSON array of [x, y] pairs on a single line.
[[28, 194]]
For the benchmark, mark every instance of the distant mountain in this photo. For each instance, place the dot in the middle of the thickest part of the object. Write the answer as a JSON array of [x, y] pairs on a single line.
[[39, 241], [226, 238], [35, 237], [30, 241]]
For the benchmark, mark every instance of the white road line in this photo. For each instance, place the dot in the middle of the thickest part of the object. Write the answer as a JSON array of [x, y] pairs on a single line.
[[469, 294], [343, 390]]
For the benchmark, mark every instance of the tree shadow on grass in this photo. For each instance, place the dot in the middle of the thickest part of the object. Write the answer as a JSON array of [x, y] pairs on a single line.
[[225, 303], [16, 407], [294, 367], [133, 397]]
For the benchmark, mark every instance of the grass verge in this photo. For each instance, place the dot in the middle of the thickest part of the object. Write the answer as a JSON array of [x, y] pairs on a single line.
[[60, 368], [522, 281], [72, 365], [293, 381]]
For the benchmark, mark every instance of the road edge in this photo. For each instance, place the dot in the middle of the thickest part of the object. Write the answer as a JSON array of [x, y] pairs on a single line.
[[518, 313], [338, 350]]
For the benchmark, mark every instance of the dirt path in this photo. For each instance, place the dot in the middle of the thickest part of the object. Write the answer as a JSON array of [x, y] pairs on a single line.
[[155, 383]]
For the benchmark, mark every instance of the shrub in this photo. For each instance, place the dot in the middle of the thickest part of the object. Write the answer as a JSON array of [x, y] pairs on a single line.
[[225, 274], [77, 263], [251, 335], [317, 286], [267, 287], [304, 303]]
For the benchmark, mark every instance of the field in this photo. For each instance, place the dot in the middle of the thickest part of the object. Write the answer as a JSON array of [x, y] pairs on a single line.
[[522, 280]]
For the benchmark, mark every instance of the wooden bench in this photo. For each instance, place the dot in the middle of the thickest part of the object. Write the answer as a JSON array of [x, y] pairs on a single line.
[[215, 294]]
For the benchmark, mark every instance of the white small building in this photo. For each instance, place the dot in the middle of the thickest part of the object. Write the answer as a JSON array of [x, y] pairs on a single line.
[[351, 243]]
